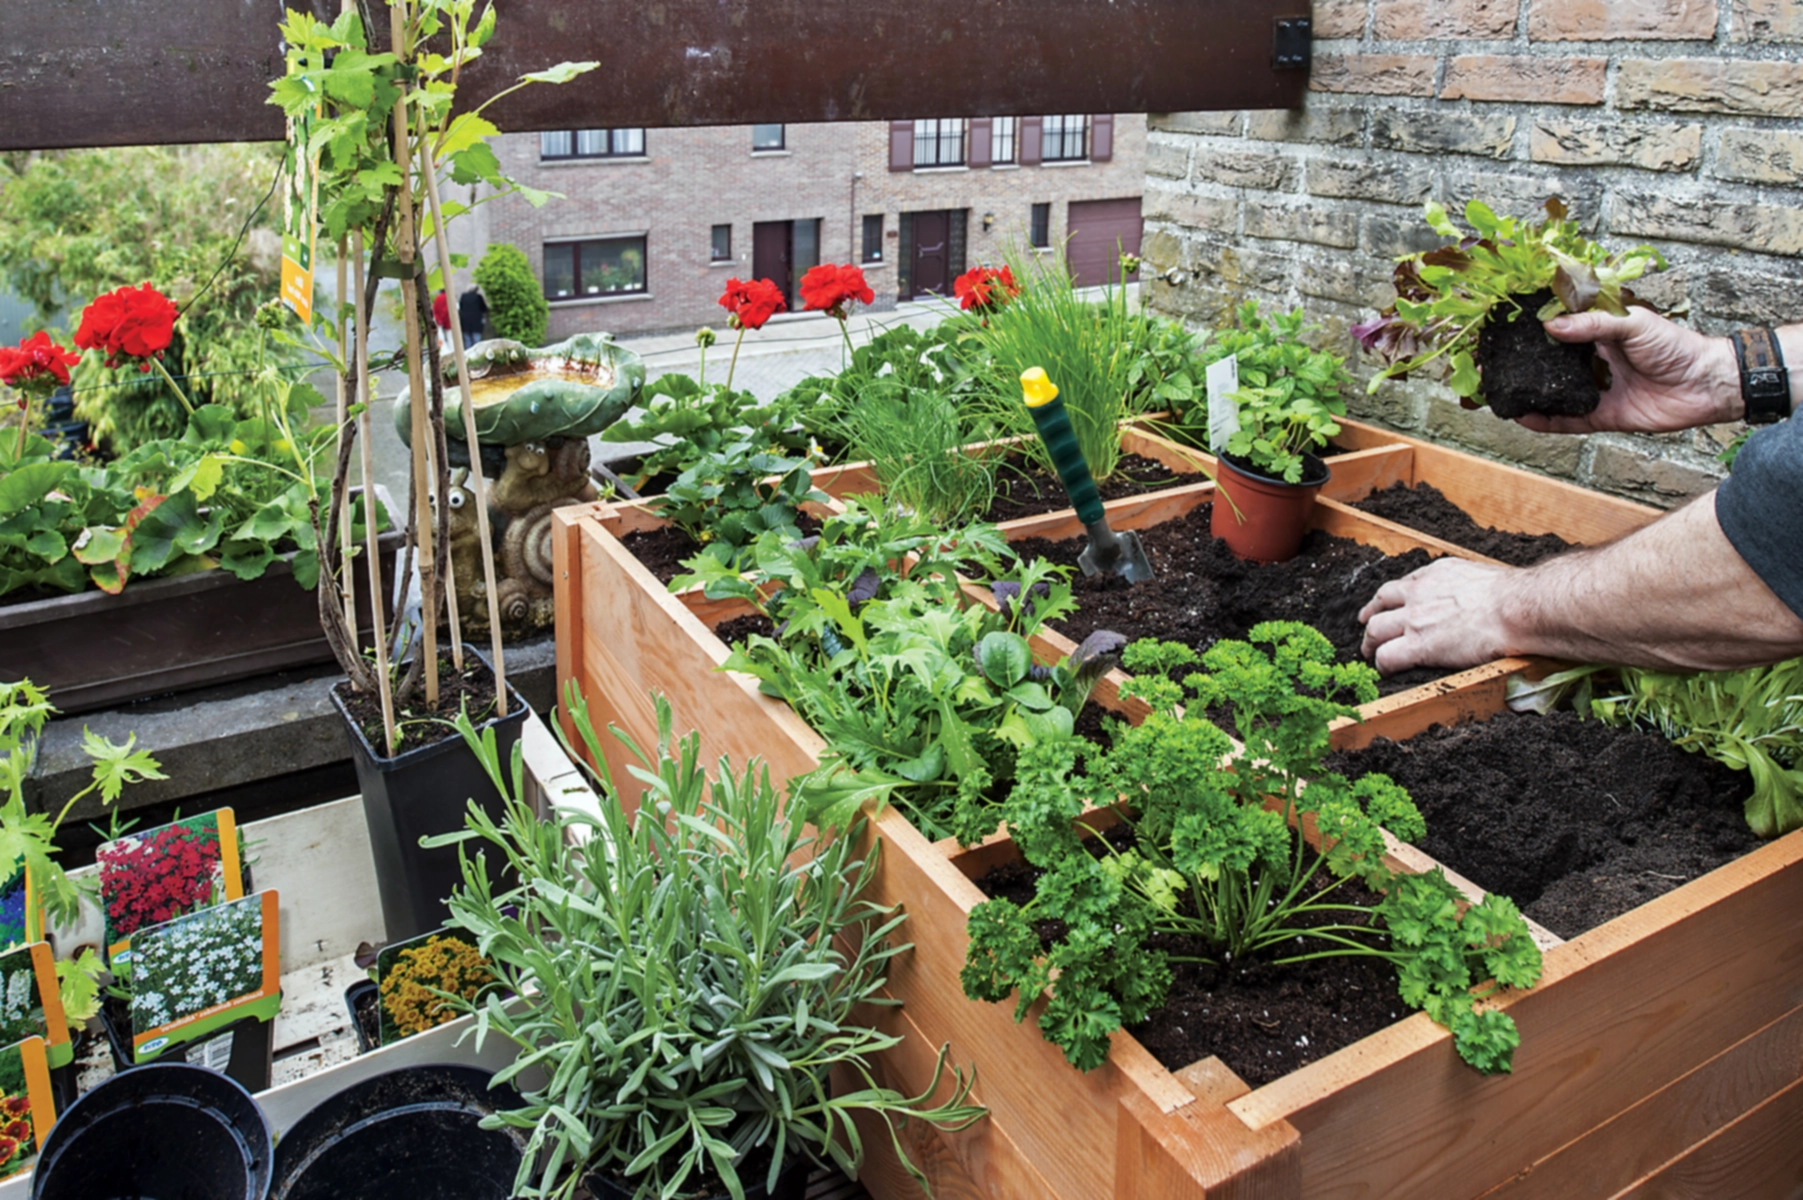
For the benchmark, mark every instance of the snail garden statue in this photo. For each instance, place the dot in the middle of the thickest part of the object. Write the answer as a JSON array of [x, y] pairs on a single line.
[[536, 409]]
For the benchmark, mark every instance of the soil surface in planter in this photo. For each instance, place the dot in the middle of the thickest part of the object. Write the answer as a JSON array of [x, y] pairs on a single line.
[[1202, 593], [1025, 490], [369, 1017], [1262, 1019], [1526, 371], [473, 686], [736, 630], [1425, 508], [663, 549], [1576, 821]]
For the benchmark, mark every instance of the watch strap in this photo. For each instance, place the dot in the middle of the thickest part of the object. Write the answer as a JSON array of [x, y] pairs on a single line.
[[1764, 381]]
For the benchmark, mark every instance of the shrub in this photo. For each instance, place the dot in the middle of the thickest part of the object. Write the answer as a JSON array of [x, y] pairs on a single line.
[[517, 307]]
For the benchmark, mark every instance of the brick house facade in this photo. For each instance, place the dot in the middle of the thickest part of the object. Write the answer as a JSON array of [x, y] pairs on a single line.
[[800, 193], [1674, 122]]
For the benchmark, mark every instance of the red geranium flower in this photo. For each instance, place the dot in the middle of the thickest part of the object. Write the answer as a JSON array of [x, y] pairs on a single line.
[[128, 323], [751, 302], [829, 288], [985, 288], [36, 364]]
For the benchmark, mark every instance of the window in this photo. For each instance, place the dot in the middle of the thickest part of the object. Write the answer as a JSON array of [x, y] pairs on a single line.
[[592, 143], [1040, 234], [601, 267], [1065, 139], [939, 143], [873, 238], [766, 137], [1004, 135], [722, 248]]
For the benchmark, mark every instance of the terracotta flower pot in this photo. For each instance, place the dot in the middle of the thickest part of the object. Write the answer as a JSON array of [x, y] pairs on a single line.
[[1261, 519]]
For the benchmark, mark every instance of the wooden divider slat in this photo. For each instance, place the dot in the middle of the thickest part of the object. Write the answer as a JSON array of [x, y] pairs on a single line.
[[1342, 520]]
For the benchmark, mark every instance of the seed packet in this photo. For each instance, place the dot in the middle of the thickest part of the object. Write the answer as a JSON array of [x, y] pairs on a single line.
[[408, 972], [31, 1004], [156, 875], [195, 975], [26, 1109]]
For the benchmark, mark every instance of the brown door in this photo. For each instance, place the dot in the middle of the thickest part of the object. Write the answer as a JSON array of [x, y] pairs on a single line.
[[1100, 232], [932, 253], [772, 256]]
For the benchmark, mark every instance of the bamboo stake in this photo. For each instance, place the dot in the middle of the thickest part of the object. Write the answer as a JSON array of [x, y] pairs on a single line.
[[405, 241], [346, 542], [377, 603], [479, 485]]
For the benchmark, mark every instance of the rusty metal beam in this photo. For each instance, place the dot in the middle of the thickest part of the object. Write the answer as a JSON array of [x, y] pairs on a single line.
[[126, 72]]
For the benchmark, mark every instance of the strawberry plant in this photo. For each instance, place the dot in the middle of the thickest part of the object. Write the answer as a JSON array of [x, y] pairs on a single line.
[[1214, 851], [1504, 271], [728, 497]]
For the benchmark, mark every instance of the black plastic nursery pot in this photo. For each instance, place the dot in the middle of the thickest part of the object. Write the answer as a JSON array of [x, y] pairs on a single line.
[[166, 1130], [1262, 519], [792, 1184], [243, 1050], [362, 1000], [419, 793], [413, 1133]]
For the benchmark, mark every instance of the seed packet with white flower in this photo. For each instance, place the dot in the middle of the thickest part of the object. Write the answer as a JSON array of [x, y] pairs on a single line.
[[27, 1110], [195, 975], [156, 875], [31, 1005]]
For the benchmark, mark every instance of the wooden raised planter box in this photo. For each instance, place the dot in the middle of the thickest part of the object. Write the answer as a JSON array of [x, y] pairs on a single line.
[[91, 650], [1658, 1054]]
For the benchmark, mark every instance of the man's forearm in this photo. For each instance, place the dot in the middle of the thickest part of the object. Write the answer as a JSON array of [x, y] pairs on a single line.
[[1675, 594]]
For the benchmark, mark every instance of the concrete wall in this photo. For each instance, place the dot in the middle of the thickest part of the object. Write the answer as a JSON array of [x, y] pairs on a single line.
[[1666, 121], [692, 179]]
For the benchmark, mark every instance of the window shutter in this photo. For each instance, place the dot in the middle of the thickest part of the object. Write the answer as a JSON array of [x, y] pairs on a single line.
[[901, 145], [1101, 137], [980, 141], [1031, 135]]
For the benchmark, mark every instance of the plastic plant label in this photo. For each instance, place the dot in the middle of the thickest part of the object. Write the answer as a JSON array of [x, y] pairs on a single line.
[[195, 975], [215, 1054], [31, 1003], [1223, 409], [27, 1110], [157, 875], [408, 972]]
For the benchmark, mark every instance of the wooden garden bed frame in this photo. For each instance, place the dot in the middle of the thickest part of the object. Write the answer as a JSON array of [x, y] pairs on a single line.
[[1658, 1054]]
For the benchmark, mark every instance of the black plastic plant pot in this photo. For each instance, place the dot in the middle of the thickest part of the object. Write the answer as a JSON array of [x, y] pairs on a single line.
[[362, 999], [243, 1050], [166, 1130], [792, 1184], [419, 793], [413, 1133]]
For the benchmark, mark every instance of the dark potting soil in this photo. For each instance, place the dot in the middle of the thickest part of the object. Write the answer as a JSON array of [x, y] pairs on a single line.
[[664, 549], [1022, 490], [1202, 593], [737, 629], [1576, 821], [1262, 1019], [1425, 508], [420, 724], [1526, 371], [368, 1015]]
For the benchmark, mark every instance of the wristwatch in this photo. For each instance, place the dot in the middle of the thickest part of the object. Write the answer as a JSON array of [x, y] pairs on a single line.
[[1764, 382]]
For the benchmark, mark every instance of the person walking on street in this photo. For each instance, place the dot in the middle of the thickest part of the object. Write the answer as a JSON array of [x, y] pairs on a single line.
[[441, 316], [1714, 585], [472, 314]]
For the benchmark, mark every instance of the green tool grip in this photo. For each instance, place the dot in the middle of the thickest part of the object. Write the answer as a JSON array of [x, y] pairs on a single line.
[[1054, 426]]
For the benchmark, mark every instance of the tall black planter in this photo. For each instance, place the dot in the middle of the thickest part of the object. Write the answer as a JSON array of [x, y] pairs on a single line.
[[164, 1130], [419, 793], [413, 1134]]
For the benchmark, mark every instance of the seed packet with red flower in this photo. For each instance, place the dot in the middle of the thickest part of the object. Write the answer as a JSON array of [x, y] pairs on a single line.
[[27, 1109], [156, 875], [31, 1004]]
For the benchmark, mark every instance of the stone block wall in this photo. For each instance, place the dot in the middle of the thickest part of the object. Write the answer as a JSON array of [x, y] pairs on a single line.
[[1674, 122]]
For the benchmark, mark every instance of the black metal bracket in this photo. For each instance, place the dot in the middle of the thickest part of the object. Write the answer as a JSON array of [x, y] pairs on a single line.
[[1290, 49]]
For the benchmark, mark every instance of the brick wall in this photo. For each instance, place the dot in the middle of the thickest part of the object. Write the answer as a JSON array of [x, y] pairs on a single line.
[[1666, 121]]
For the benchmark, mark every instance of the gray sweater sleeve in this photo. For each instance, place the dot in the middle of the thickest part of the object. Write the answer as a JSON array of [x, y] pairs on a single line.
[[1760, 508]]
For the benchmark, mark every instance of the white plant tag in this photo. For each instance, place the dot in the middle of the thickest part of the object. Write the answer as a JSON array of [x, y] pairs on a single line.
[[1223, 409]]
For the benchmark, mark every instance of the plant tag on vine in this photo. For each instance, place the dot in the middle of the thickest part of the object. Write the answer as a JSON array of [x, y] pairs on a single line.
[[1223, 409]]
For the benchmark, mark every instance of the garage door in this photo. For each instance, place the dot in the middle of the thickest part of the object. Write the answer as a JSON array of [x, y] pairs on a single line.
[[1099, 231]]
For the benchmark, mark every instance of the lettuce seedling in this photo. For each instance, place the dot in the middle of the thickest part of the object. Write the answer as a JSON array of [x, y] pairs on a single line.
[[1216, 853]]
